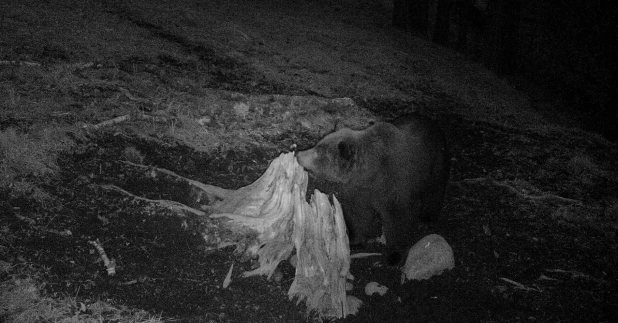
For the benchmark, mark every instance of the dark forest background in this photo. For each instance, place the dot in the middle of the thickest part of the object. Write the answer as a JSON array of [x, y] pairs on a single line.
[[565, 49]]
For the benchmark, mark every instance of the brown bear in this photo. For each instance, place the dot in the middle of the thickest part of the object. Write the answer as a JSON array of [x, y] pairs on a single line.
[[397, 170]]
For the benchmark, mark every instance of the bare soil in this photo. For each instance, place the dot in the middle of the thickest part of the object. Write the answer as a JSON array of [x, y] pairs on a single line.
[[518, 258]]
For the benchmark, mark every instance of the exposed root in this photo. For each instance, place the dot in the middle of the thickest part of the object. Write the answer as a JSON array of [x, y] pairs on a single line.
[[213, 193], [173, 205], [542, 197]]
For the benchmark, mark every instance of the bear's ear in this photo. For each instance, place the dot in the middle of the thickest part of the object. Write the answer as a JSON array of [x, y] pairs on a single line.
[[346, 150]]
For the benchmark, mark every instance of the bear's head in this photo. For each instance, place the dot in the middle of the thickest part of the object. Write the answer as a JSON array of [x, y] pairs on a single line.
[[335, 158]]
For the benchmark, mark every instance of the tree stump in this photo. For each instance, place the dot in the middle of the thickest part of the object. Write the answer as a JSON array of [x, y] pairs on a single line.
[[271, 218]]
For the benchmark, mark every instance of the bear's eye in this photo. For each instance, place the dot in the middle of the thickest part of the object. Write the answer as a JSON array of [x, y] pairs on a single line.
[[346, 151]]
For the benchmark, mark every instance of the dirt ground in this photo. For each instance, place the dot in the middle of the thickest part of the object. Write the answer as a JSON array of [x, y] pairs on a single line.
[[531, 209]]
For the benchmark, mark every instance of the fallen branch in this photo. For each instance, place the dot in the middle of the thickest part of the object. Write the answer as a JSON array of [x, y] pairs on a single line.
[[127, 117], [543, 197], [512, 282], [109, 264], [228, 277]]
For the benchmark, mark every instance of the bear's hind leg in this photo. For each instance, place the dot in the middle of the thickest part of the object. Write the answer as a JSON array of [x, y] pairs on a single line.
[[398, 223], [432, 200]]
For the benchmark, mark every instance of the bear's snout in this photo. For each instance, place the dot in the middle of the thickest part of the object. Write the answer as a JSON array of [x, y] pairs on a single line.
[[306, 158]]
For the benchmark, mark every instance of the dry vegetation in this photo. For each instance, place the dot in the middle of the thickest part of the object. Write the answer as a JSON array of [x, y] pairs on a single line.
[[21, 302]]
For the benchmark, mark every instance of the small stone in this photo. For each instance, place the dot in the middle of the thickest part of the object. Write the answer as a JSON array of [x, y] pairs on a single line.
[[374, 287], [349, 286]]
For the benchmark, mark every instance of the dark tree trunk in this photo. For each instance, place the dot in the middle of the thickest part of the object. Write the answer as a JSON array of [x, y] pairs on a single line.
[[419, 15], [611, 115], [443, 17], [464, 10], [503, 41], [401, 13], [509, 42]]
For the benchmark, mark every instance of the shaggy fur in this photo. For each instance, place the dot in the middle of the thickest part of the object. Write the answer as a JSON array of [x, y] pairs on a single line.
[[398, 171]]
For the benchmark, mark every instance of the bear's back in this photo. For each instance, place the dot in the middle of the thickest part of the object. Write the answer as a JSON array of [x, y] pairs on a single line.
[[423, 128]]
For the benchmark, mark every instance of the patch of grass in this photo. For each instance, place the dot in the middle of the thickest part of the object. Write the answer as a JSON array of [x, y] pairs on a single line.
[[22, 301], [133, 155], [25, 157], [585, 170], [22, 156]]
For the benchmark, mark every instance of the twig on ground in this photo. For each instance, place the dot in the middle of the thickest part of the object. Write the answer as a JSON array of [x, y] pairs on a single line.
[[61, 113], [543, 197], [576, 274], [173, 205], [20, 63], [109, 264], [127, 117], [364, 255], [228, 278], [520, 286], [109, 122]]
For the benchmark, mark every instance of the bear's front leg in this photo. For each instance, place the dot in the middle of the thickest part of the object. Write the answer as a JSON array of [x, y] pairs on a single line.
[[359, 219]]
